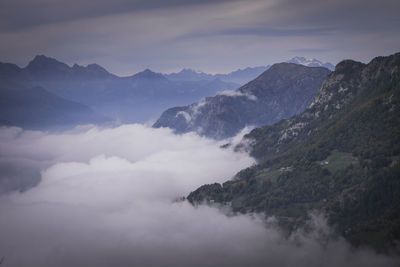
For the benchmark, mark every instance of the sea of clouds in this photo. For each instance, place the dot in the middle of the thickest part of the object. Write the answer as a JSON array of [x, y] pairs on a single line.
[[107, 197]]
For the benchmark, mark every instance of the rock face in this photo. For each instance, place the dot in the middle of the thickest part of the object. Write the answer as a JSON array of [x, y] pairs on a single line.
[[339, 157], [282, 91]]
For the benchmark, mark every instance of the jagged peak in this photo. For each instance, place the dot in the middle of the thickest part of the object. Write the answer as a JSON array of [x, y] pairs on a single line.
[[348, 64], [42, 61]]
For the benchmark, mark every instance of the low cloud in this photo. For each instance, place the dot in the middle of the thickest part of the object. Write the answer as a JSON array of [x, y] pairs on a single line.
[[107, 198], [237, 93]]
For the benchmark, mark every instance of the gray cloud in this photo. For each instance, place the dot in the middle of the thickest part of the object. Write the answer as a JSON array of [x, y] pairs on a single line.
[[264, 31], [214, 36], [345, 15], [22, 14], [308, 50], [106, 199]]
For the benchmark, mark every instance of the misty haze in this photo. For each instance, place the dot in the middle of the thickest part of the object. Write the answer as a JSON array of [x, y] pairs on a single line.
[[199, 133]]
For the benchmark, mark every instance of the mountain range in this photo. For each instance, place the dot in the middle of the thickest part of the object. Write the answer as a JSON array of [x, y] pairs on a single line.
[[107, 97], [339, 157], [137, 98], [285, 89], [36, 108], [242, 76]]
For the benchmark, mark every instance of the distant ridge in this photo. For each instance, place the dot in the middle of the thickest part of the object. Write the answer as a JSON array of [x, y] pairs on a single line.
[[137, 98], [43, 67], [35, 108], [148, 74], [285, 89], [240, 76]]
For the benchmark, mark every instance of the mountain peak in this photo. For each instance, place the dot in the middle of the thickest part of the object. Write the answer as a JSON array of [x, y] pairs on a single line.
[[42, 62], [311, 62], [188, 70], [148, 74], [97, 68], [187, 74], [49, 68]]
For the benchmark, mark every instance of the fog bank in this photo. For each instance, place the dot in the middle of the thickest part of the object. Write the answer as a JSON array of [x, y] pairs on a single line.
[[106, 198]]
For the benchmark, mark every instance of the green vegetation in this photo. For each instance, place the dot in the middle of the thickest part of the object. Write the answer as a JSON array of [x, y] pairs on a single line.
[[338, 161], [343, 161]]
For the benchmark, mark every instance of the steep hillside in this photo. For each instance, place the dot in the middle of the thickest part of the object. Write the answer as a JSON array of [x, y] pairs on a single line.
[[280, 92], [341, 156]]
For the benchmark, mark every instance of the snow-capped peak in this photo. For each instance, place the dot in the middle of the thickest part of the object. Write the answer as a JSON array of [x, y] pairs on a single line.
[[311, 62]]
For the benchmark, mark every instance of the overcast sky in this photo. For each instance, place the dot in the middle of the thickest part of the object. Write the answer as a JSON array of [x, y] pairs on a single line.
[[127, 36]]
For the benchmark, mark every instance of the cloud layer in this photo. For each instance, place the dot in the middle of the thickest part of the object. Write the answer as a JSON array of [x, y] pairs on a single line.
[[107, 199]]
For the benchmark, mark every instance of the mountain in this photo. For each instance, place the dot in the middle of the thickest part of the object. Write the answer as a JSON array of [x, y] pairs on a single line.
[[243, 76], [311, 62], [9, 71], [137, 98], [189, 75], [283, 90], [148, 75], [36, 108], [46, 68], [239, 77], [341, 157]]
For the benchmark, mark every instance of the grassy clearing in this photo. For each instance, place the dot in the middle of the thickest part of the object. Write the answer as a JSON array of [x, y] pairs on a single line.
[[338, 161]]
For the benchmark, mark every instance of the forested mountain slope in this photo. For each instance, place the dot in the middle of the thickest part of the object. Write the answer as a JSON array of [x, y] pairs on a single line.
[[341, 156]]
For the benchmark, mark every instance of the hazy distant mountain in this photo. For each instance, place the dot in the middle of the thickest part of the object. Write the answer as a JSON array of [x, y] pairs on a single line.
[[311, 62], [189, 75], [339, 157], [240, 76], [137, 98], [283, 90], [46, 68], [36, 108], [243, 76], [148, 75]]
